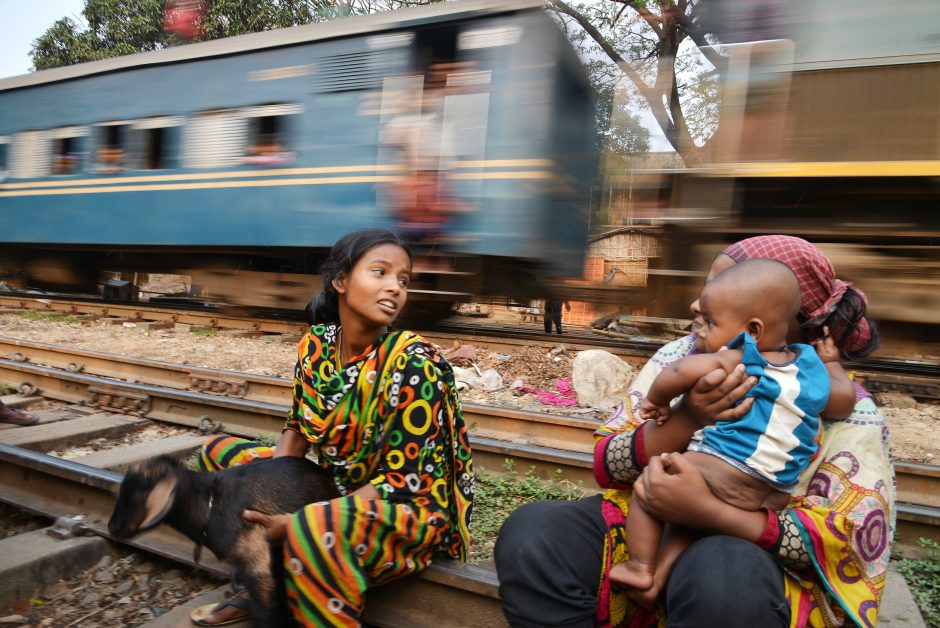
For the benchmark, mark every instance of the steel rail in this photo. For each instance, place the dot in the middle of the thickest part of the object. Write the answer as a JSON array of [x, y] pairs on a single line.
[[550, 437], [448, 593], [35, 484], [550, 441], [146, 312], [876, 373]]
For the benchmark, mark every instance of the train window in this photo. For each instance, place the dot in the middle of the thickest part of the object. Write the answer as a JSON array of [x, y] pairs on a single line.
[[29, 155], [68, 148], [215, 139], [111, 155], [154, 142], [269, 134]]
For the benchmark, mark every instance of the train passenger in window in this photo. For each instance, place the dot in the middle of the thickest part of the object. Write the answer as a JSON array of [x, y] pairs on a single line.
[[381, 408], [821, 561], [422, 200], [110, 157], [65, 157], [265, 147]]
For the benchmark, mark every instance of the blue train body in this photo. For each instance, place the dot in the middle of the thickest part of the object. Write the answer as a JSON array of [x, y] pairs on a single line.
[[150, 158]]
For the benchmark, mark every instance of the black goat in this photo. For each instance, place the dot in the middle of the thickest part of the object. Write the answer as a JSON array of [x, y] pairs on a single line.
[[207, 508]]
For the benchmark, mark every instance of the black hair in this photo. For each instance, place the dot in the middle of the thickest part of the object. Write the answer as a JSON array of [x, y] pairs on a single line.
[[348, 250], [848, 325]]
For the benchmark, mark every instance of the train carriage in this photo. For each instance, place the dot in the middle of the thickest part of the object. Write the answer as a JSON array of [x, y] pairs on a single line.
[[829, 130], [244, 159]]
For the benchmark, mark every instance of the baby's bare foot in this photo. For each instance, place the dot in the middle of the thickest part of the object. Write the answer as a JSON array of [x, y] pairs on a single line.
[[647, 599], [632, 575]]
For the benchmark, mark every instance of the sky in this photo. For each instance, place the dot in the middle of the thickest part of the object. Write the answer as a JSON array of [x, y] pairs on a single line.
[[22, 22]]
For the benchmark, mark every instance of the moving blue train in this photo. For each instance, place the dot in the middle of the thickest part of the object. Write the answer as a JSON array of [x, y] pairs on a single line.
[[467, 126]]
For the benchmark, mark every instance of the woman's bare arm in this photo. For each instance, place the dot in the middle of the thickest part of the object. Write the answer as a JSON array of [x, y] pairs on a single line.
[[291, 443]]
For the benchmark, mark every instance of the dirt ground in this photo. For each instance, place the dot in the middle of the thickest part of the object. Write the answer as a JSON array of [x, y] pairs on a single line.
[[123, 589], [915, 426]]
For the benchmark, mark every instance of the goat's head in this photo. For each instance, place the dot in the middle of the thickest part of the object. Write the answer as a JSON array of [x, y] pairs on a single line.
[[145, 498]]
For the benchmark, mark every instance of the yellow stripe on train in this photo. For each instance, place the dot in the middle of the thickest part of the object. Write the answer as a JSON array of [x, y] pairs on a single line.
[[824, 169], [278, 172], [534, 174]]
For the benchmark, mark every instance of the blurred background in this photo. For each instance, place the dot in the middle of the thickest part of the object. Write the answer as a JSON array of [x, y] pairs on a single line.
[[601, 152]]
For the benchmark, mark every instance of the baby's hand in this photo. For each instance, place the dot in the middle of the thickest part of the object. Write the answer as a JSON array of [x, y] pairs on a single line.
[[826, 347], [649, 411]]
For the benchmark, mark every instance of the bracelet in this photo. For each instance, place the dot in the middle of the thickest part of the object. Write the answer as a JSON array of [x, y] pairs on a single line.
[[770, 537], [616, 468], [638, 448]]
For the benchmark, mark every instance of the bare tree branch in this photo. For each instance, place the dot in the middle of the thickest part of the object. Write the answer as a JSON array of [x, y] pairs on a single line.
[[657, 107], [616, 19], [652, 19]]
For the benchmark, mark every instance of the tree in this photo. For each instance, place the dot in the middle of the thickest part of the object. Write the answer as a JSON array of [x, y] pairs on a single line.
[[122, 27], [114, 28], [616, 125], [644, 40]]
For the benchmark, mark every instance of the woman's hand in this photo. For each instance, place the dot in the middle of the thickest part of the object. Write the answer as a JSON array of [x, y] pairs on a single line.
[[712, 398], [275, 525], [826, 347], [672, 490]]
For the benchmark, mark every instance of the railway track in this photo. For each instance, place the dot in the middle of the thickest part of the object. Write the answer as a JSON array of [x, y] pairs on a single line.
[[250, 405], [122, 392], [913, 377]]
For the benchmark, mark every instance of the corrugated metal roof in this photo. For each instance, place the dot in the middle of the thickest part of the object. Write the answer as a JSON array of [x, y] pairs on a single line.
[[607, 234]]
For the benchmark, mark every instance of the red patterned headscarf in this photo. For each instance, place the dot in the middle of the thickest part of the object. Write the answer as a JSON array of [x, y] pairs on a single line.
[[820, 290]]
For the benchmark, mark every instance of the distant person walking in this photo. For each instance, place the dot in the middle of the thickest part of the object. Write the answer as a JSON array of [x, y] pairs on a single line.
[[553, 314]]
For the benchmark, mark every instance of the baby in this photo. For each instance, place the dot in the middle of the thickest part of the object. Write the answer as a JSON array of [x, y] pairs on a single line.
[[754, 462]]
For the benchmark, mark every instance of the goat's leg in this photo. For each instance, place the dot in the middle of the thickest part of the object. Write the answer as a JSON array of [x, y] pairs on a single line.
[[253, 557]]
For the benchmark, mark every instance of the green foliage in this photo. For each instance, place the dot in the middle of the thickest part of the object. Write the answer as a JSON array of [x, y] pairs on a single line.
[[205, 331], [123, 27], [50, 318], [617, 128], [114, 28], [497, 495], [6, 389], [923, 576]]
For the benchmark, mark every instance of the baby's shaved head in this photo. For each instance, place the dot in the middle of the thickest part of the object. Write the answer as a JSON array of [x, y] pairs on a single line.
[[761, 288]]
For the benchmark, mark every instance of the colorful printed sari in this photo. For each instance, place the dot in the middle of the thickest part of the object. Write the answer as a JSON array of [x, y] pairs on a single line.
[[843, 508], [390, 418]]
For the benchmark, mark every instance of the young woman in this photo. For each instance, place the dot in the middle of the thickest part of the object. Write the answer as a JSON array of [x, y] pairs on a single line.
[[820, 562], [380, 406]]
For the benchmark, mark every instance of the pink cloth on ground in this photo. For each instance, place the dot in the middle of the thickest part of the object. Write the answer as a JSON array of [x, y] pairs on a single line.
[[565, 396]]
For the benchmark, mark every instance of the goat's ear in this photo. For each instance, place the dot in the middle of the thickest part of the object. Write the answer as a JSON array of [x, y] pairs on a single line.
[[159, 502]]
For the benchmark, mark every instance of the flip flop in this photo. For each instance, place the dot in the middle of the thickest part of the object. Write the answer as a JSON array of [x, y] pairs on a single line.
[[200, 615], [17, 417]]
